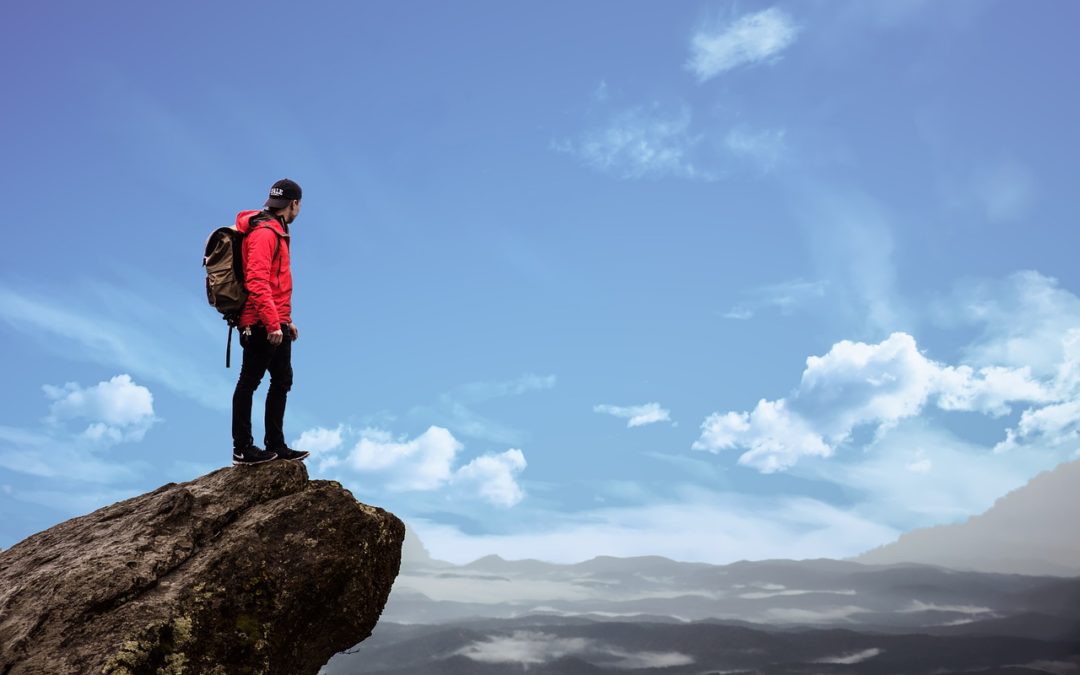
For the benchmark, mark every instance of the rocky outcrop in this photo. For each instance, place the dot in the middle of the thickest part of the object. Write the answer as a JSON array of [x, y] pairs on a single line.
[[244, 570]]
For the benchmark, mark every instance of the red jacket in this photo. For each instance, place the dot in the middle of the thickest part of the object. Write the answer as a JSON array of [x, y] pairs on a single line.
[[267, 274]]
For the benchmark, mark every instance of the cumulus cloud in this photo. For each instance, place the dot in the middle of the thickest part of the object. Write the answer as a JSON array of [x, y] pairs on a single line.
[[422, 463], [320, 440], [426, 463], [750, 39], [773, 436], [636, 415], [118, 410], [858, 384], [494, 477], [642, 142], [1057, 425]]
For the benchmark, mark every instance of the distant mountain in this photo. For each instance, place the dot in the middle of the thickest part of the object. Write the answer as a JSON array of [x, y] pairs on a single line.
[[1034, 529]]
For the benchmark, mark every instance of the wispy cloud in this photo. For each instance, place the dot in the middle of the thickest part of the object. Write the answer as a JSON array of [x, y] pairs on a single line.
[[57, 455], [643, 142], [116, 327], [697, 525], [1005, 191], [850, 239], [785, 296], [752, 38], [636, 415], [765, 148], [852, 657], [456, 409]]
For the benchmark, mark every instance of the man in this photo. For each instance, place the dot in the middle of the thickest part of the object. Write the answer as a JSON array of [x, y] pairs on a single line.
[[266, 328]]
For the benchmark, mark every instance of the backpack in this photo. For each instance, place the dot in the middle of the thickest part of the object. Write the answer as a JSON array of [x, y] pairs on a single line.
[[224, 263]]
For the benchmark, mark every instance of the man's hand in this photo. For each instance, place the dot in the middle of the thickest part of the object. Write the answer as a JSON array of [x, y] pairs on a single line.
[[295, 331], [275, 338]]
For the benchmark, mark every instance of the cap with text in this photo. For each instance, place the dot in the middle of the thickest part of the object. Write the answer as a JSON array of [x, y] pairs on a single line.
[[283, 192]]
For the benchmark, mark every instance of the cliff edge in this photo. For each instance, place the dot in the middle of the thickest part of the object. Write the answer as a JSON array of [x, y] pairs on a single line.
[[251, 569]]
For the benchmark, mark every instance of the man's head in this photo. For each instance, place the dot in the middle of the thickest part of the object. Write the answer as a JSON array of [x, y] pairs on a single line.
[[284, 199]]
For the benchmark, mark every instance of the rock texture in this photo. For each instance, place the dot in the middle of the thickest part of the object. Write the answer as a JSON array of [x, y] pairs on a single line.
[[244, 570]]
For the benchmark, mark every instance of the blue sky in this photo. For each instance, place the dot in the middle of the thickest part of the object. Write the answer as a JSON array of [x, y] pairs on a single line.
[[715, 281]]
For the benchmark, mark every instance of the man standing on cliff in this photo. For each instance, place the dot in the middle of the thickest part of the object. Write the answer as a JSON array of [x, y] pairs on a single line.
[[266, 328]]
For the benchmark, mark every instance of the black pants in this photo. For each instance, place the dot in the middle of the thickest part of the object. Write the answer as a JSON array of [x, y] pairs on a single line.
[[259, 357]]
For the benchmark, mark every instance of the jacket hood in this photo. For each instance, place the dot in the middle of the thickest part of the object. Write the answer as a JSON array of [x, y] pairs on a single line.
[[244, 222]]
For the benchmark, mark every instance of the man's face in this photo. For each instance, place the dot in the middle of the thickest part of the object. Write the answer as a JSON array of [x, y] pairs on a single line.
[[292, 211]]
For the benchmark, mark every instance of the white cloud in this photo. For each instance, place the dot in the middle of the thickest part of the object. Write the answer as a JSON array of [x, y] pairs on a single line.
[[739, 313], [852, 657], [1026, 319], [535, 647], [642, 142], [765, 148], [804, 616], [857, 384], [426, 463], [118, 410], [1056, 425], [320, 440], [524, 647], [774, 438], [494, 477], [750, 39], [422, 463], [920, 463], [636, 415]]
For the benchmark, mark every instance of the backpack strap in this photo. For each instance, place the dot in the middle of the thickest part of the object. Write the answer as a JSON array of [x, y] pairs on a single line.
[[228, 346]]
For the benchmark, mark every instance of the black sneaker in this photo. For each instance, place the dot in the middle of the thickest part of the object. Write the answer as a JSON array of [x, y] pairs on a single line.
[[289, 453], [252, 454]]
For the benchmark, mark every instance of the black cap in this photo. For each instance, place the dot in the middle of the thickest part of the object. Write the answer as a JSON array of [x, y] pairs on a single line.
[[283, 192]]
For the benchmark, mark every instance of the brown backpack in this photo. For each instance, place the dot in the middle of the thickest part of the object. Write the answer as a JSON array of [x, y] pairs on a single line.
[[224, 263]]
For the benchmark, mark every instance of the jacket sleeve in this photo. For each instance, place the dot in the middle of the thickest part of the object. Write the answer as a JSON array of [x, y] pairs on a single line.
[[259, 248]]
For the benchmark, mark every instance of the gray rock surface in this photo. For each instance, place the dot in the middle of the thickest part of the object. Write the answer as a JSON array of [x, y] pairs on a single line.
[[1035, 530], [245, 570]]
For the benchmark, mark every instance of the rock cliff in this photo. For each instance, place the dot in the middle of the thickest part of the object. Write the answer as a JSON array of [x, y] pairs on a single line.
[[244, 570]]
